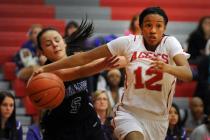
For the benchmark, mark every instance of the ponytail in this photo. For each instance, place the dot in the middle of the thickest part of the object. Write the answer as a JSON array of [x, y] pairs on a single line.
[[76, 40]]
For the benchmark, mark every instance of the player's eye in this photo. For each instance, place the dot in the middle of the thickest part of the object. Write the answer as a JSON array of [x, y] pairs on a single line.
[[158, 25], [57, 39], [48, 43], [148, 25]]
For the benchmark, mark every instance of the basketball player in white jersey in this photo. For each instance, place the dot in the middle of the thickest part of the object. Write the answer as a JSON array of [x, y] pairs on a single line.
[[153, 62]]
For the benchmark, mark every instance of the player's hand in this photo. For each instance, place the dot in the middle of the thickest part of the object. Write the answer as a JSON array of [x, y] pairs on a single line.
[[111, 62], [159, 65], [38, 70]]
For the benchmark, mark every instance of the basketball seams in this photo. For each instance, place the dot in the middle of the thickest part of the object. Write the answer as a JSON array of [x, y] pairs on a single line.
[[58, 93], [46, 77], [31, 94], [46, 90], [44, 104]]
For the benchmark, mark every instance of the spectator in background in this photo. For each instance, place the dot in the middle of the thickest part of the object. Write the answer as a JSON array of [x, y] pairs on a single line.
[[70, 28], [196, 114], [26, 59], [10, 128], [34, 131], [113, 88], [134, 28], [198, 39], [202, 132], [175, 129], [197, 43], [103, 109]]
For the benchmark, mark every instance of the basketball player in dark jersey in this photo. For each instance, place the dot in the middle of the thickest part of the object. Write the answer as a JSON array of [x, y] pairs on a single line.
[[75, 118]]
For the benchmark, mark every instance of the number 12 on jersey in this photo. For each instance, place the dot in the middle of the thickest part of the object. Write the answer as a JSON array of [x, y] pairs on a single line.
[[150, 83]]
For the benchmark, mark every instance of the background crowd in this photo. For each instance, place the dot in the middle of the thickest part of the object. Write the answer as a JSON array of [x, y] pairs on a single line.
[[107, 87]]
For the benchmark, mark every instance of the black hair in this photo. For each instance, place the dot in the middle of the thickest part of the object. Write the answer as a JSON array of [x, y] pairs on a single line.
[[197, 40], [178, 127], [11, 122], [74, 41], [70, 25], [152, 10], [199, 30]]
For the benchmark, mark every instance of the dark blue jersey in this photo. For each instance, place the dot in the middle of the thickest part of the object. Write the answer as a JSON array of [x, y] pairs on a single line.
[[76, 104], [75, 118]]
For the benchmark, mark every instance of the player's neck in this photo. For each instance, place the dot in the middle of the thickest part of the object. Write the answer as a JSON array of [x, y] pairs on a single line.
[[150, 47]]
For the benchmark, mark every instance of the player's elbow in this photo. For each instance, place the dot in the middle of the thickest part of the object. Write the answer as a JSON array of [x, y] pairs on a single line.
[[188, 76]]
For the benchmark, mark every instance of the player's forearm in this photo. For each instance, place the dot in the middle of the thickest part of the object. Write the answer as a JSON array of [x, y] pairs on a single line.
[[75, 60], [82, 71], [91, 68], [78, 59], [181, 72]]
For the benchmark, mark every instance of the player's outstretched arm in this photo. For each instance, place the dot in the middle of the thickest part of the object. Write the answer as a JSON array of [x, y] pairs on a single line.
[[91, 68], [77, 59]]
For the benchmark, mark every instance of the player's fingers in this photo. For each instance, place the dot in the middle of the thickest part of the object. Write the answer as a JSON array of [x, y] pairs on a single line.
[[38, 71], [29, 80], [112, 61]]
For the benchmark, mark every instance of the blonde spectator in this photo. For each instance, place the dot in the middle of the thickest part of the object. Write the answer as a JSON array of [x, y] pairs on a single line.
[[103, 109]]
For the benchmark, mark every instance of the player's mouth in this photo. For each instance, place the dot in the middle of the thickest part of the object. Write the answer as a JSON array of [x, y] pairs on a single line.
[[152, 38], [57, 51]]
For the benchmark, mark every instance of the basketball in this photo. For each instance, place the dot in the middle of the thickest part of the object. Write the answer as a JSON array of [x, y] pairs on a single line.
[[46, 90]]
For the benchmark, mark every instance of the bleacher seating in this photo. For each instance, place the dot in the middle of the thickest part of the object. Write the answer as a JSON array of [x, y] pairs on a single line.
[[109, 17], [177, 11], [27, 11], [23, 24], [16, 16]]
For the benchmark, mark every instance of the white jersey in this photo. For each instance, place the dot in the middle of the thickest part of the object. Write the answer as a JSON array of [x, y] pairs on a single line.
[[145, 88]]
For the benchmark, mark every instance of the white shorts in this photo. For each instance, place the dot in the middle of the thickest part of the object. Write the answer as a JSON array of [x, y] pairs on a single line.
[[126, 122]]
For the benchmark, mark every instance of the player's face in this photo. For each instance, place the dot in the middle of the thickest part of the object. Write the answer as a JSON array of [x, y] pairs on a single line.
[[53, 45], [7, 107], [101, 103], [173, 116], [153, 29]]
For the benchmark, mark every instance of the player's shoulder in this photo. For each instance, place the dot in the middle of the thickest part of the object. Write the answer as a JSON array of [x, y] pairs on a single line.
[[169, 39], [131, 38]]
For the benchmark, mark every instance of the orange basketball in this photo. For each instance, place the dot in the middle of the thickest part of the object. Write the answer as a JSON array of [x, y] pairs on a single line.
[[46, 90]]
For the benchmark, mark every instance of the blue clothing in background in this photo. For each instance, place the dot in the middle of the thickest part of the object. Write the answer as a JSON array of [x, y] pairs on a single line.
[[174, 136], [33, 133]]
